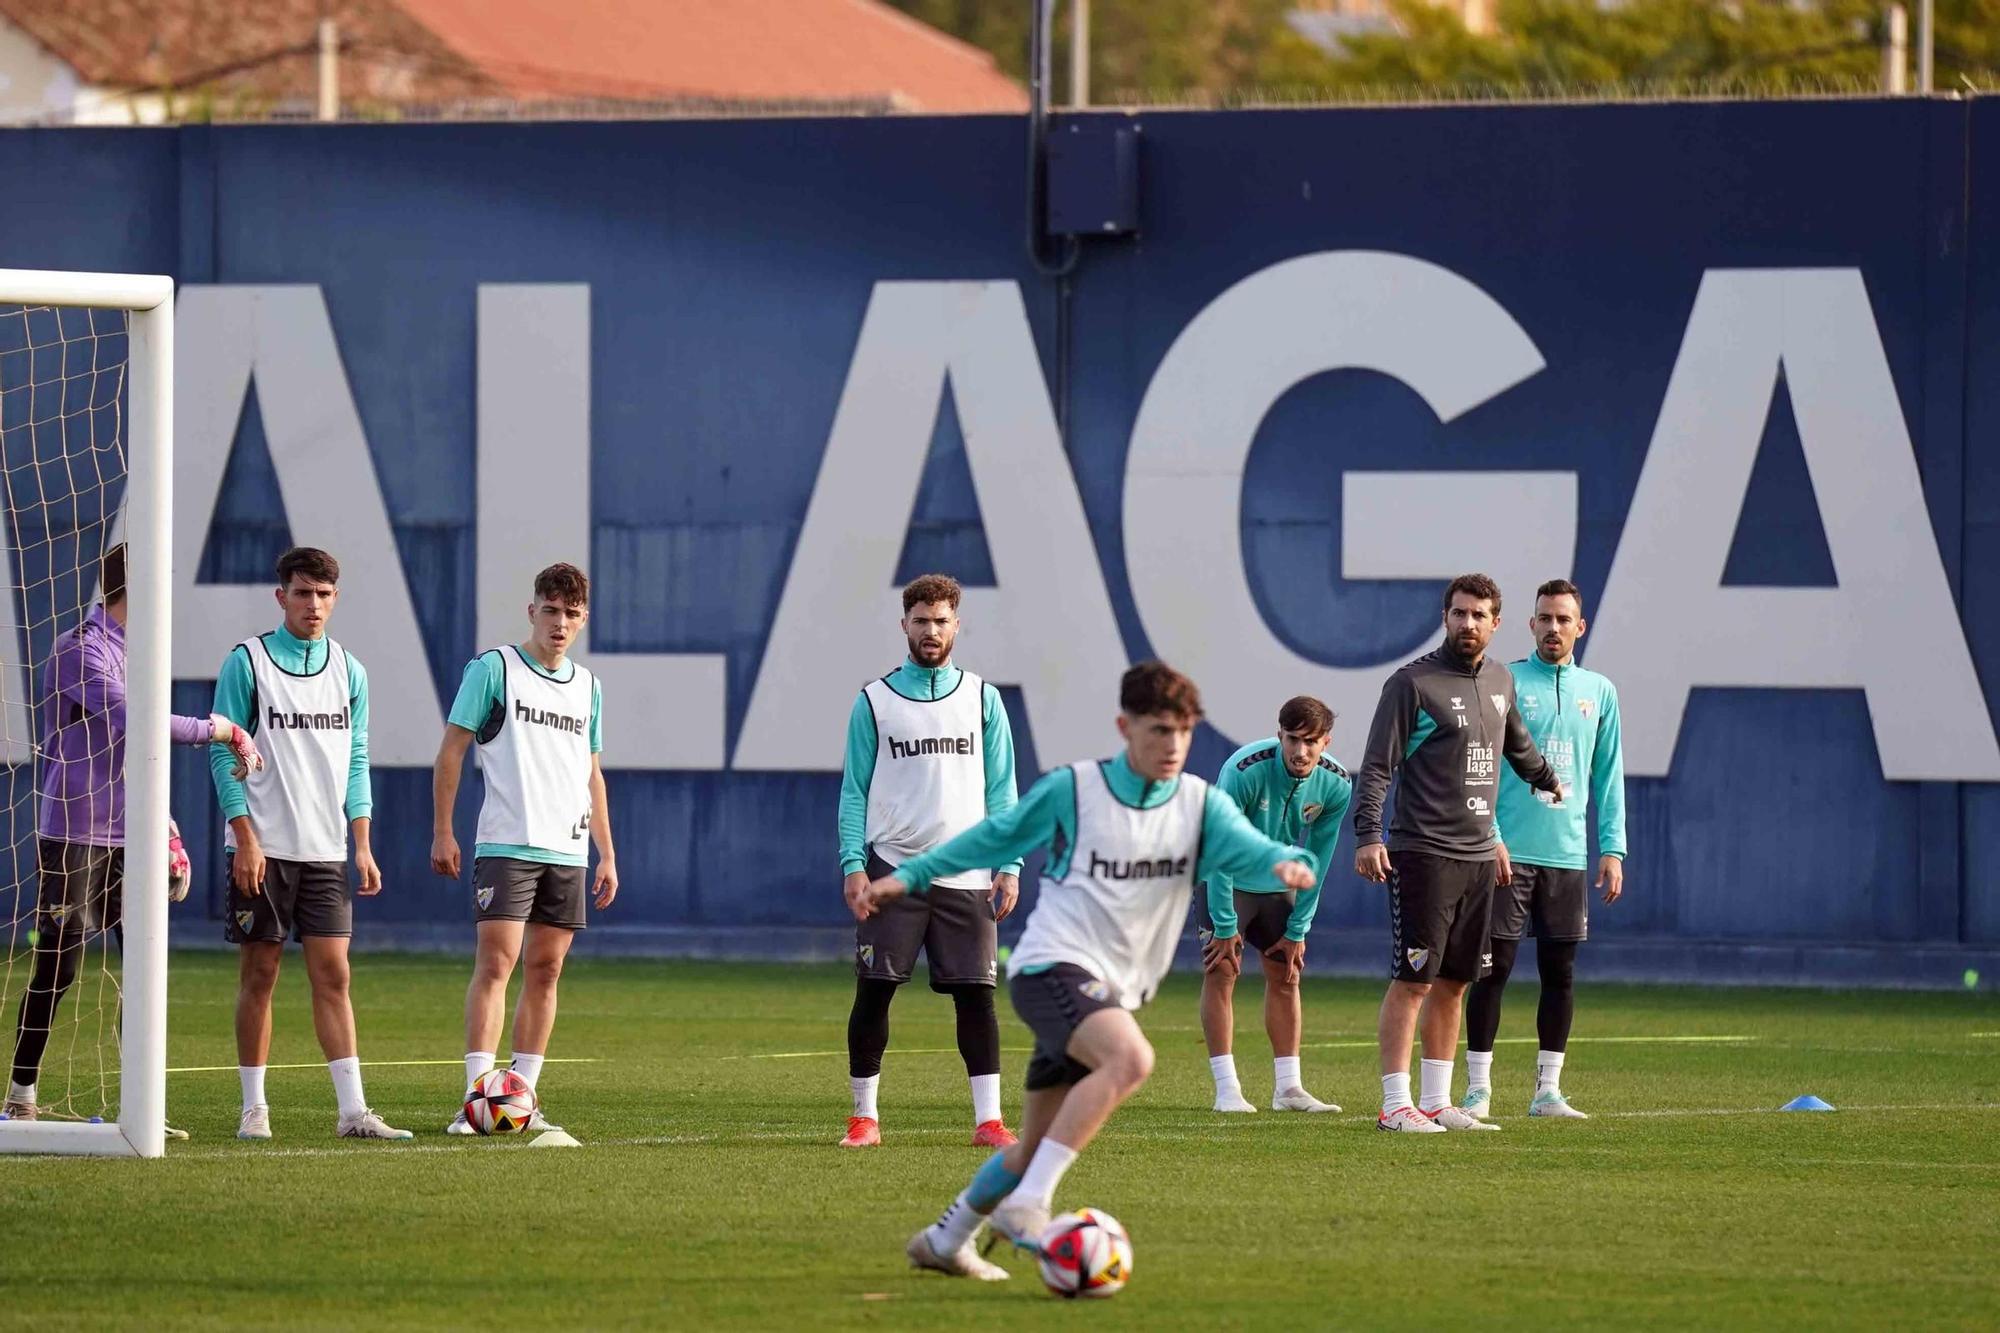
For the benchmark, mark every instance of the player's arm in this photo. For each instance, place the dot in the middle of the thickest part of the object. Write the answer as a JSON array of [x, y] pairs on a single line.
[[1526, 759], [1001, 793], [1607, 788], [1049, 806], [481, 687], [856, 773], [1232, 846], [1321, 840], [1388, 738], [1240, 791], [91, 681], [235, 695], [360, 793], [604, 887]]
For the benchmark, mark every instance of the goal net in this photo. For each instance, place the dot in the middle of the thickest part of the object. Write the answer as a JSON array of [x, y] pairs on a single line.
[[85, 411]]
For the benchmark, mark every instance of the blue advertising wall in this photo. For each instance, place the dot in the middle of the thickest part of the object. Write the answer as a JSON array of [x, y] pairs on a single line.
[[729, 268]]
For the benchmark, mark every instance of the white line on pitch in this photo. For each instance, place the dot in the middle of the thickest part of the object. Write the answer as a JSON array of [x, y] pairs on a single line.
[[1723, 1040], [954, 1135], [382, 1064]]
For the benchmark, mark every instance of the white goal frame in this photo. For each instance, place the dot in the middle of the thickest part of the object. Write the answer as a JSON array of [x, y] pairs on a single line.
[[148, 299]]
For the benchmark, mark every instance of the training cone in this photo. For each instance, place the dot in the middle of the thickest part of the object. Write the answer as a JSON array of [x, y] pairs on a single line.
[[555, 1138], [1806, 1103]]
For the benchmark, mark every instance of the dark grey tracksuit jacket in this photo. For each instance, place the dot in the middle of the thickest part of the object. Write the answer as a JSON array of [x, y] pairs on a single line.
[[1446, 726]]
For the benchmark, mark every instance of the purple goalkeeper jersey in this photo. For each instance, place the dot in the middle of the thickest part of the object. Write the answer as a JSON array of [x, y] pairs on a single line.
[[83, 734]]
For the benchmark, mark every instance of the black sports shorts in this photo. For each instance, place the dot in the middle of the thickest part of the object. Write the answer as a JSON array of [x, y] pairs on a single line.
[[1054, 1003], [1261, 918], [1552, 900], [954, 929], [1438, 909], [300, 898]]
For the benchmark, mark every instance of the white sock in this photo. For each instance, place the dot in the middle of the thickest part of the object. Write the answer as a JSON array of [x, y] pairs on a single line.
[[1285, 1073], [1045, 1172], [1548, 1071], [985, 1098], [864, 1095], [1396, 1091], [1436, 1085], [529, 1066], [477, 1065], [252, 1078], [1478, 1071], [346, 1085], [950, 1232], [1222, 1068]]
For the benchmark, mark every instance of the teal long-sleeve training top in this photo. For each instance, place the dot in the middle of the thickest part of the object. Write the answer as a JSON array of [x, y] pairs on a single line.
[[1305, 812], [919, 682], [236, 685]]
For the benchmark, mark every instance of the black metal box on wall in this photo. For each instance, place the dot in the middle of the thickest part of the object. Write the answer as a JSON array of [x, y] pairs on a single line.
[[1093, 176]]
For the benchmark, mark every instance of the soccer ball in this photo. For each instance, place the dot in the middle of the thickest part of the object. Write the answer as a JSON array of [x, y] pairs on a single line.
[[1086, 1253], [501, 1102]]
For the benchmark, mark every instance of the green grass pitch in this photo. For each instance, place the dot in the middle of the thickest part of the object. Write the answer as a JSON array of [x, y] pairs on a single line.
[[709, 1192]]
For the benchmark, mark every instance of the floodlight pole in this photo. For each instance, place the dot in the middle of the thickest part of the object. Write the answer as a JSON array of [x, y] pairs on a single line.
[[1079, 52], [1926, 44], [329, 70]]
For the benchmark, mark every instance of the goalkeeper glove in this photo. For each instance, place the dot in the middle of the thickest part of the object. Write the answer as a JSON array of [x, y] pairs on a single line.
[[225, 732], [180, 871]]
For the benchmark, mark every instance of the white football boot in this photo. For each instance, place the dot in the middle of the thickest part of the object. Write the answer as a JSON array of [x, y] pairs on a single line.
[[460, 1125], [1019, 1223], [367, 1125], [1552, 1105], [539, 1124], [1478, 1103], [961, 1263], [1298, 1099], [1408, 1120], [255, 1124], [1450, 1117], [1230, 1101]]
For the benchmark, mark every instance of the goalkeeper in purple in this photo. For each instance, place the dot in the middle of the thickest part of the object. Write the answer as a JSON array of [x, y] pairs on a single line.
[[81, 817]]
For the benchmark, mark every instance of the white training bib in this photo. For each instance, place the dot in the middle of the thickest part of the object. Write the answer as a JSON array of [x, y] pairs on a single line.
[[538, 764], [304, 728], [930, 773], [1119, 909]]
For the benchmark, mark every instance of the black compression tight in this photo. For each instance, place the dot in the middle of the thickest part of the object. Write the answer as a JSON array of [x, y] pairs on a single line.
[[868, 1027], [1482, 998], [56, 964], [1558, 1006], [1553, 1015]]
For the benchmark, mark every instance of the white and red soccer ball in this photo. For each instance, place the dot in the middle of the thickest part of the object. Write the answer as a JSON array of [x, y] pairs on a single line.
[[1086, 1253], [500, 1102]]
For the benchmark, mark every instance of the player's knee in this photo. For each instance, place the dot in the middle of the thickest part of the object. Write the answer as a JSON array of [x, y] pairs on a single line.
[[1133, 1064], [1557, 963], [329, 976], [542, 973], [259, 973]]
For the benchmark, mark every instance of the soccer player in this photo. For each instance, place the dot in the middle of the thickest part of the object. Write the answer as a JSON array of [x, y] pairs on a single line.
[[81, 852], [1573, 715], [538, 717], [1128, 838], [289, 828], [1437, 728], [929, 754], [1289, 789]]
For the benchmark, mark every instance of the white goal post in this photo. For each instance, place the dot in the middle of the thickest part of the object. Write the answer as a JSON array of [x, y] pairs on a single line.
[[140, 1129]]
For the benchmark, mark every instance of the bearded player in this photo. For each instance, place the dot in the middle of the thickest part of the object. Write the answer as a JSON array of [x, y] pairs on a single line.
[[1573, 715], [929, 754], [1289, 789], [1128, 839]]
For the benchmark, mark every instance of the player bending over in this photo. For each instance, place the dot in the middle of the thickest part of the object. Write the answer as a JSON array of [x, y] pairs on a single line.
[[1128, 838], [929, 754], [288, 829], [537, 715], [81, 852], [1441, 728], [1287, 787], [1573, 715]]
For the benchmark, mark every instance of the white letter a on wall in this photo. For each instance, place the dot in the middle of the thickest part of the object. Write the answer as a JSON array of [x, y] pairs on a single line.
[[1668, 624]]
